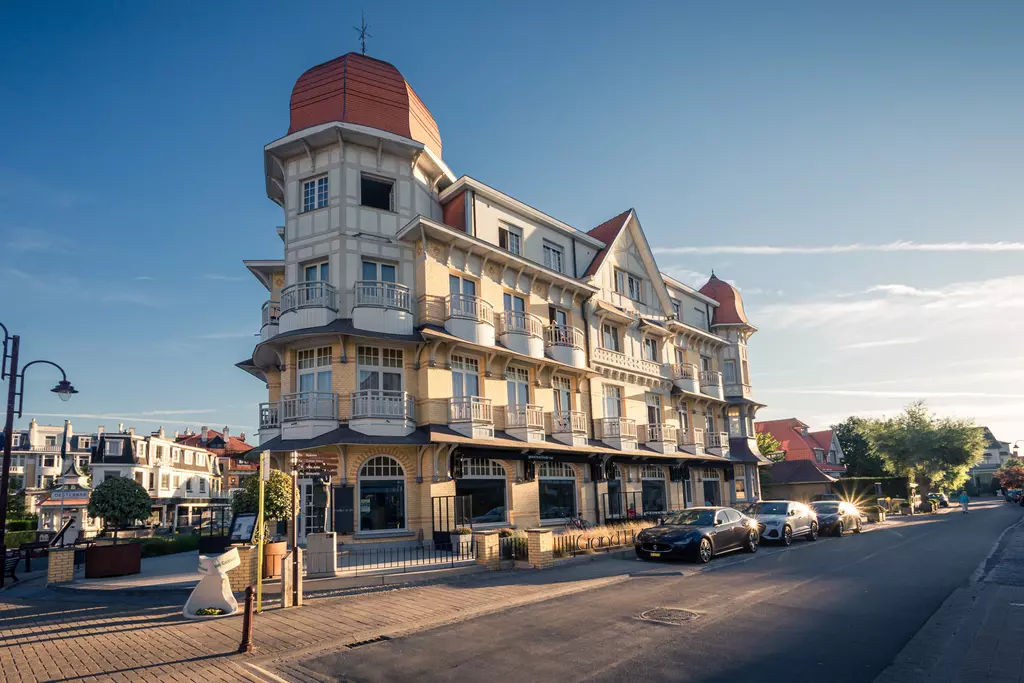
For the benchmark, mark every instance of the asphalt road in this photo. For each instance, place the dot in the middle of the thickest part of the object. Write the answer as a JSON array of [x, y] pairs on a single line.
[[835, 610]]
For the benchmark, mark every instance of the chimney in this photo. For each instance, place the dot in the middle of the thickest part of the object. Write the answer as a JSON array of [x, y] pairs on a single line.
[[99, 431], [120, 427], [131, 430], [160, 433], [204, 435], [241, 435], [225, 434]]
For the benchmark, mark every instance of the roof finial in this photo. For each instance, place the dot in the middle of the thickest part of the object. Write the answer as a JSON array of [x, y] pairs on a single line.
[[362, 30], [712, 272]]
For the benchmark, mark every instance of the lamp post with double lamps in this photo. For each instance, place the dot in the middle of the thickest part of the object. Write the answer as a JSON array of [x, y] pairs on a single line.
[[15, 401]]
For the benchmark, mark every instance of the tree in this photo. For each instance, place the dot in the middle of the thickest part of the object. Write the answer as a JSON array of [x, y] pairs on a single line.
[[119, 500], [859, 456], [1011, 474], [770, 447], [277, 497], [15, 504], [925, 449]]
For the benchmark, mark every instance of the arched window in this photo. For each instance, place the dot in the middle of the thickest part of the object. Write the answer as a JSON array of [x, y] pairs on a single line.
[[557, 490], [652, 486], [381, 494], [486, 482]]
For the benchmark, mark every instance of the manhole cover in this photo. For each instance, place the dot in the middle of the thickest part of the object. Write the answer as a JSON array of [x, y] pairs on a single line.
[[669, 615]]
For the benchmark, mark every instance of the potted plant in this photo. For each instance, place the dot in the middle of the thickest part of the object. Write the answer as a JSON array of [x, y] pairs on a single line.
[[116, 501], [460, 537], [875, 513], [277, 505]]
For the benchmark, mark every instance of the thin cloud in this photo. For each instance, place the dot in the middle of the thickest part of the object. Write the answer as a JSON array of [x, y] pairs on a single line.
[[143, 278], [898, 246], [128, 419], [899, 341], [904, 290], [187, 411]]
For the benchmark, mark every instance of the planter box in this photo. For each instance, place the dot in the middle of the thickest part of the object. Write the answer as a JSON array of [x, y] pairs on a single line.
[[113, 560]]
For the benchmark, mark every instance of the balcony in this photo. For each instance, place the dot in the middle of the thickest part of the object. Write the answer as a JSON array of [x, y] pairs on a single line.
[[711, 384], [569, 427], [719, 441], [621, 360], [522, 332], [566, 344], [618, 432], [471, 416], [307, 415], [738, 390], [684, 376], [694, 443], [270, 421], [525, 422], [271, 314], [661, 437], [382, 307], [382, 413], [307, 304], [470, 318]]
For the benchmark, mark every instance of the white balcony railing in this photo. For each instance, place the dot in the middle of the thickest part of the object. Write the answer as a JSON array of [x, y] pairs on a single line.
[[44, 449], [309, 295], [684, 371], [521, 322], [717, 440], [710, 378], [609, 357], [380, 294], [270, 416], [569, 422], [383, 404], [618, 427], [698, 435], [524, 417], [271, 312], [737, 389], [309, 405], [661, 433], [468, 307], [471, 409], [564, 335]]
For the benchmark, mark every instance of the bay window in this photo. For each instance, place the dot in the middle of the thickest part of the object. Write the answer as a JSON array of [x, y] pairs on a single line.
[[314, 366], [379, 368]]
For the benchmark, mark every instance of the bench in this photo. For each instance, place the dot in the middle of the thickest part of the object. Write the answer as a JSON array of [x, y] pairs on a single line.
[[11, 564]]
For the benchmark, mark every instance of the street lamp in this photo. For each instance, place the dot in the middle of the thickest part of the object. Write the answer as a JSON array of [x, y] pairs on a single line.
[[16, 396]]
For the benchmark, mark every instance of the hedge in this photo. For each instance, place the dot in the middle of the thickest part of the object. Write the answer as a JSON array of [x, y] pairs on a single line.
[[14, 539], [154, 547], [28, 524], [863, 488]]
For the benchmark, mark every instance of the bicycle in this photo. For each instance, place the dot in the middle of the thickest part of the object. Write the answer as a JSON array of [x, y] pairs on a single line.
[[578, 524]]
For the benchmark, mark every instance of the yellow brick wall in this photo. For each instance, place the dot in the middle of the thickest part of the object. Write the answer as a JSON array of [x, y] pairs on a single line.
[[61, 566]]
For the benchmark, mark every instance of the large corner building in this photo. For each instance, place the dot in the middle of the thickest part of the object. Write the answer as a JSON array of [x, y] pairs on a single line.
[[435, 349]]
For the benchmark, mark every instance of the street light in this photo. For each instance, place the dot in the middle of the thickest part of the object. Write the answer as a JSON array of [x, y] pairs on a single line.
[[64, 389]]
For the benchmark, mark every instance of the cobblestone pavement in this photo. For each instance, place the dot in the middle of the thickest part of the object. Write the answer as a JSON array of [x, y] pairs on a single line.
[[49, 636], [977, 635]]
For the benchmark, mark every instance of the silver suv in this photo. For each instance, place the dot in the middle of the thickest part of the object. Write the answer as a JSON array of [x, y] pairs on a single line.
[[782, 520]]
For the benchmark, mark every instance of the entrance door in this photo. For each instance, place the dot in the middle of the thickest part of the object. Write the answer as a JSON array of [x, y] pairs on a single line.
[[311, 520], [711, 491]]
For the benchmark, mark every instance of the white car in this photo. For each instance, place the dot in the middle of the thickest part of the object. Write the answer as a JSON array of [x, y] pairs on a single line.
[[782, 520]]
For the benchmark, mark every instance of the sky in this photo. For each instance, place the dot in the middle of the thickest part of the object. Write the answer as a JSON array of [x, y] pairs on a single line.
[[854, 168]]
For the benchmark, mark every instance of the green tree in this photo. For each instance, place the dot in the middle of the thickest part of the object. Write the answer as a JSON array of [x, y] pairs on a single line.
[[15, 504], [1011, 474], [770, 447], [859, 456], [277, 497], [119, 500], [925, 449]]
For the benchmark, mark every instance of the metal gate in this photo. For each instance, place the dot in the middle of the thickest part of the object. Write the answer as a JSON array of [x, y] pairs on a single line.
[[449, 513], [215, 529]]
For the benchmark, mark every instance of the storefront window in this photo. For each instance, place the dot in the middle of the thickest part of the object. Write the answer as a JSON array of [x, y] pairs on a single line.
[[381, 495], [485, 481], [652, 478], [557, 490]]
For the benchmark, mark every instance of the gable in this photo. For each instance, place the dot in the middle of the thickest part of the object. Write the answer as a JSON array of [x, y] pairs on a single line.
[[629, 251]]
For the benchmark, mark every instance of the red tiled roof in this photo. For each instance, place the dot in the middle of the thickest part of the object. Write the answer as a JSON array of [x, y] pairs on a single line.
[[730, 305], [788, 433], [358, 89], [823, 438], [606, 232], [234, 444]]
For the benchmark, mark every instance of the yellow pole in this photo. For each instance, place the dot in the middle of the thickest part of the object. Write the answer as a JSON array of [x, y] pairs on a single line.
[[259, 545]]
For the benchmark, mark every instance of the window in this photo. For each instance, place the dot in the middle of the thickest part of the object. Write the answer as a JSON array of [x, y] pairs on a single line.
[[374, 271], [200, 459], [832, 457], [702, 318], [709, 422], [202, 485], [316, 272], [84, 442], [314, 370], [740, 477], [562, 387], [558, 317], [49, 461], [139, 477], [314, 194], [684, 418], [465, 376], [735, 425], [518, 381], [652, 482], [610, 338], [612, 400], [463, 297], [152, 481], [688, 491], [376, 192], [819, 455], [177, 481], [729, 372], [15, 440], [188, 484], [381, 494], [653, 408], [705, 364], [553, 256], [165, 482], [159, 452], [675, 309], [175, 455], [513, 302], [112, 447], [557, 490], [379, 368], [188, 457], [629, 285], [51, 440], [651, 349], [486, 482], [510, 239]]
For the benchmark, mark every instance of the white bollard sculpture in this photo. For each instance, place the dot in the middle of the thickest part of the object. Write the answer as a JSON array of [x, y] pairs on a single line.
[[214, 589]]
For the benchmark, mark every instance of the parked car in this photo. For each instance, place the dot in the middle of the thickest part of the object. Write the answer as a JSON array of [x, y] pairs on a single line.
[[698, 534], [836, 517], [941, 499], [825, 496], [1012, 495], [782, 520]]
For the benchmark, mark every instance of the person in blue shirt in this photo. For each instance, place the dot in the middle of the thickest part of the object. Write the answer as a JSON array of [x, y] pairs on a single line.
[[964, 500]]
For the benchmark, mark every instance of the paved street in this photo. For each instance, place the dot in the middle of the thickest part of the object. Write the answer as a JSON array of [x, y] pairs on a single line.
[[837, 610]]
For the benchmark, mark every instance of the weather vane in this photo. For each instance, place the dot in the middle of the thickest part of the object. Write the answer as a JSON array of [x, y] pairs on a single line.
[[362, 30]]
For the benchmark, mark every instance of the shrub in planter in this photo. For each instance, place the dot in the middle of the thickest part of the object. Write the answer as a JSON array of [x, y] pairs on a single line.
[[460, 537], [119, 501], [277, 505]]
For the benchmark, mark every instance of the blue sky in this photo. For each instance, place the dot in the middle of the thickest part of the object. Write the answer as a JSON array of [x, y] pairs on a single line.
[[843, 137]]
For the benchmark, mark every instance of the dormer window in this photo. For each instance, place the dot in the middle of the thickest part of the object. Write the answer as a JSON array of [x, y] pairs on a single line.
[[112, 447], [553, 256], [629, 285], [510, 239]]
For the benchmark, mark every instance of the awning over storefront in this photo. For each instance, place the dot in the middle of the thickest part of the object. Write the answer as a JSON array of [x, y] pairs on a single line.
[[342, 436], [744, 450]]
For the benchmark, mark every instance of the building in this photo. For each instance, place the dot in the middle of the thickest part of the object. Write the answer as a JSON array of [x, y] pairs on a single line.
[[799, 443], [36, 459], [438, 350], [181, 480], [68, 504], [798, 480], [229, 452], [996, 453]]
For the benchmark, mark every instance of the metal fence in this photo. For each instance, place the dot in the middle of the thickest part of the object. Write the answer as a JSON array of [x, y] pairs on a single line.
[[572, 544], [370, 560], [512, 547]]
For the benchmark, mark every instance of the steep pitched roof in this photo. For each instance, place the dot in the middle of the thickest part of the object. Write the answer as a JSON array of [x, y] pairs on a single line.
[[730, 305], [606, 232], [232, 446], [822, 438], [789, 433]]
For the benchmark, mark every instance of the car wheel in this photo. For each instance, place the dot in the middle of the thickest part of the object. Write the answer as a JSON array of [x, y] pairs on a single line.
[[787, 535], [839, 528], [812, 535], [704, 551], [753, 539]]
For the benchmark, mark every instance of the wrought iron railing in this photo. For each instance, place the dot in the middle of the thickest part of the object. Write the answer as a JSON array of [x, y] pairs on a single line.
[[380, 294], [468, 307], [470, 409], [309, 295], [564, 335], [380, 403], [521, 322], [569, 422], [373, 560], [309, 405]]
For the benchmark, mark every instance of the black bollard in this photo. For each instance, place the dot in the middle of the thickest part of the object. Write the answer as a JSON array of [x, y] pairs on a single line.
[[246, 644]]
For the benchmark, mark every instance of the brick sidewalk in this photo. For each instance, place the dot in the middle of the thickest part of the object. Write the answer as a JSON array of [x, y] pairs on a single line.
[[45, 637], [976, 635]]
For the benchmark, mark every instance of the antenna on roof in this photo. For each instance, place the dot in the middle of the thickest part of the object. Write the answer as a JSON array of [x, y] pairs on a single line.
[[362, 30]]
